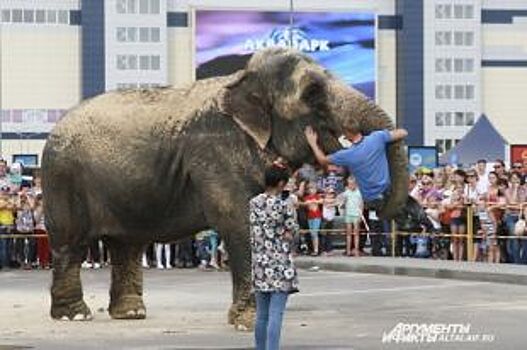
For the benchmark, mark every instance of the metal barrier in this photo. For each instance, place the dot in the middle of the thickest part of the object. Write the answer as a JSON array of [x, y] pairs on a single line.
[[469, 235]]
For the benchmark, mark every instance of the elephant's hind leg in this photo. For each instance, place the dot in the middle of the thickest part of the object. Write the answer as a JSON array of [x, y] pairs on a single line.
[[66, 291], [126, 293]]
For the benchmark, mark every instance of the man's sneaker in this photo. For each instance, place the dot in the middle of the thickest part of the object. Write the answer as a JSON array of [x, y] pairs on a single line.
[[160, 267], [169, 266], [86, 265], [96, 266]]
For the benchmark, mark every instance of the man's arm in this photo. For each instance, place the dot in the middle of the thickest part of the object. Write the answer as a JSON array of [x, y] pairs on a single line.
[[398, 134], [312, 139]]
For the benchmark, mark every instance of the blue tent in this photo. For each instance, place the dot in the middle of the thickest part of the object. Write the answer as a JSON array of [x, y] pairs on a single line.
[[483, 141]]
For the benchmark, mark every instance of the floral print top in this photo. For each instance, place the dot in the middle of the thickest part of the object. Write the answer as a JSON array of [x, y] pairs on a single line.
[[271, 218]]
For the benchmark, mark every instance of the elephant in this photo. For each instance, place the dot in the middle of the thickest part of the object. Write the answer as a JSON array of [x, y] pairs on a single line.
[[143, 165]]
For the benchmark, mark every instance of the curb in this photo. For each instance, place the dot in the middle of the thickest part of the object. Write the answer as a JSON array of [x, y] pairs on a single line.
[[416, 271]]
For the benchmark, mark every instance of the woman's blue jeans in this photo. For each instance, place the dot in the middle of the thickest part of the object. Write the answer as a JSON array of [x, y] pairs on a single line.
[[270, 308]]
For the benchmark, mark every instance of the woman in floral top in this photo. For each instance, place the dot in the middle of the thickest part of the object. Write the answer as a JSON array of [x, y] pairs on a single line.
[[273, 225]]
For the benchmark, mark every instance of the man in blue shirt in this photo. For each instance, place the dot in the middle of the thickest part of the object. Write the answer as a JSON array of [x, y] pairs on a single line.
[[366, 159]]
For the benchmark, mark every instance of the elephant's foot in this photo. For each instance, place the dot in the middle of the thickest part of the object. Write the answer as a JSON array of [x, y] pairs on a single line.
[[242, 318], [128, 308], [77, 311]]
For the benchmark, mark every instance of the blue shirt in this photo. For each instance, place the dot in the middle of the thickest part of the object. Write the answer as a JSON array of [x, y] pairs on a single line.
[[367, 161]]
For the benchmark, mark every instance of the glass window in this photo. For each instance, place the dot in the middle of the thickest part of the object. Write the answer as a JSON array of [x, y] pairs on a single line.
[[121, 62], [440, 119], [6, 16], [458, 11], [440, 145], [448, 145], [6, 116], [447, 38], [121, 6], [155, 35], [132, 6], [458, 119], [144, 62], [448, 92], [132, 34], [17, 16], [29, 16], [448, 64], [458, 38], [40, 16], [144, 35], [155, 62], [440, 38], [63, 16], [469, 118], [154, 6], [469, 65], [143, 6], [439, 11], [121, 34], [132, 61], [448, 118], [458, 65], [16, 115], [448, 11], [469, 11], [52, 16], [440, 92], [469, 38], [439, 65], [469, 92], [459, 92]]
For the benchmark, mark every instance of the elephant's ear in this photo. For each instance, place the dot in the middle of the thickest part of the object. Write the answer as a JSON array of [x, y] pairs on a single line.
[[244, 101]]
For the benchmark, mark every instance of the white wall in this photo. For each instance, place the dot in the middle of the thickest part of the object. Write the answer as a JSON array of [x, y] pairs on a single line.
[[505, 101]]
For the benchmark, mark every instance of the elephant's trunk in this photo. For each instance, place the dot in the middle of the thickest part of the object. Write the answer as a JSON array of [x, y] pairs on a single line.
[[349, 103]]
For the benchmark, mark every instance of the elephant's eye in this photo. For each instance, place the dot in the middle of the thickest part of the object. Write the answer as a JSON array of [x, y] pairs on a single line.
[[313, 91]]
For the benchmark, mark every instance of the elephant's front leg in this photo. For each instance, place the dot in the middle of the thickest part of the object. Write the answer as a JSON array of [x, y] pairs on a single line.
[[242, 310], [126, 293]]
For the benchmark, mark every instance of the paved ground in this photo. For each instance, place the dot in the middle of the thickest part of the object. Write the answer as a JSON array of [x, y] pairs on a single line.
[[460, 270], [335, 310]]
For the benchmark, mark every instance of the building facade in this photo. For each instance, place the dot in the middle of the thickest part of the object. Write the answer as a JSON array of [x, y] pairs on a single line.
[[440, 64]]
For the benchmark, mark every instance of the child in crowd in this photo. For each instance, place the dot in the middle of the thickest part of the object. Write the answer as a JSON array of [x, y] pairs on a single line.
[[353, 213], [7, 220], [312, 201], [25, 225], [489, 227], [43, 250], [329, 211]]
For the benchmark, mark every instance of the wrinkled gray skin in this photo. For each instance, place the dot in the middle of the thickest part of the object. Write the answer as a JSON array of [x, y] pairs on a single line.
[[139, 166]]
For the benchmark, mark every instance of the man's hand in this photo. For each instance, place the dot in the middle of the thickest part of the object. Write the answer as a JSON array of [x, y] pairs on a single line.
[[311, 135], [312, 140], [398, 134]]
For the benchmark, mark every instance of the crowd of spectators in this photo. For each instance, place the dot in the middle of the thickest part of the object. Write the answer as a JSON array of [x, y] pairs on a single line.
[[491, 196], [330, 212], [21, 214]]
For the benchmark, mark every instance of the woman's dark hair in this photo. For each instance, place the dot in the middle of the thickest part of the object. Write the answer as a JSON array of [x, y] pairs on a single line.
[[519, 176], [274, 174]]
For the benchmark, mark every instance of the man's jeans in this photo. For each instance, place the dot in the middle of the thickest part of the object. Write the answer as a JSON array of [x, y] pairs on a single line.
[[269, 312]]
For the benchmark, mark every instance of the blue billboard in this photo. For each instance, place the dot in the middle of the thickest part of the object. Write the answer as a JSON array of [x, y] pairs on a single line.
[[342, 42]]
